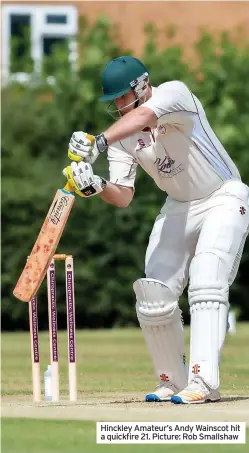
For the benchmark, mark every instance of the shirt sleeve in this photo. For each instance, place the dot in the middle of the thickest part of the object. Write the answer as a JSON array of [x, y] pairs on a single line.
[[122, 165], [173, 101]]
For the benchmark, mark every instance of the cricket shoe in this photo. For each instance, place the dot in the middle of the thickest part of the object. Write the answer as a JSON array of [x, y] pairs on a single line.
[[196, 392], [164, 391]]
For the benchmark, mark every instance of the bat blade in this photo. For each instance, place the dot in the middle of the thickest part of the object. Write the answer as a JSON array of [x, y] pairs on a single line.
[[45, 246]]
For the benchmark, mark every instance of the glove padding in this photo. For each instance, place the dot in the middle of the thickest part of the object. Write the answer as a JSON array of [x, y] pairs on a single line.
[[81, 178], [83, 146]]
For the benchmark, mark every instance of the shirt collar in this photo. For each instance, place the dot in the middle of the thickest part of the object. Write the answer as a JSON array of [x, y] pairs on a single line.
[[154, 89]]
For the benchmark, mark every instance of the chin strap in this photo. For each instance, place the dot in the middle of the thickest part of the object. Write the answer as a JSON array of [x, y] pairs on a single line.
[[136, 104], [138, 99]]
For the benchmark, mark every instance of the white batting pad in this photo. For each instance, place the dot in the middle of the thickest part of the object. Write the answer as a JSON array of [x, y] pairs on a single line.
[[160, 319], [208, 299]]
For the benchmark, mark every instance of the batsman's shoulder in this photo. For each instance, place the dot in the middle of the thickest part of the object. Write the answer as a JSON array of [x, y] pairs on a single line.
[[175, 86], [176, 95]]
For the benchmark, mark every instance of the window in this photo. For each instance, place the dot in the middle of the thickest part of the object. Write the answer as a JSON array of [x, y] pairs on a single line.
[[56, 18], [30, 33], [49, 42], [20, 42]]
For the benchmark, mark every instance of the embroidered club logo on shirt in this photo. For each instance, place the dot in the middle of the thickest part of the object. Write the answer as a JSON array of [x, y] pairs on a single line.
[[162, 129], [166, 167], [141, 144], [165, 164]]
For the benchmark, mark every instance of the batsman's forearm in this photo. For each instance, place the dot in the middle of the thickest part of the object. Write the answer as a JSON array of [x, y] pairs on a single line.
[[129, 124], [119, 196]]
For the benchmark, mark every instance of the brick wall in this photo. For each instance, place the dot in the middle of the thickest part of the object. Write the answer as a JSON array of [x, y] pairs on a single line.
[[187, 16]]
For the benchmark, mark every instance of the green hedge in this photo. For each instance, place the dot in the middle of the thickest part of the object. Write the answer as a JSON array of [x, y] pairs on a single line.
[[108, 243]]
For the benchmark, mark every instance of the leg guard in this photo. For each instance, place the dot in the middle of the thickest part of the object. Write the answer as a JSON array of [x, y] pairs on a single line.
[[208, 299], [160, 319]]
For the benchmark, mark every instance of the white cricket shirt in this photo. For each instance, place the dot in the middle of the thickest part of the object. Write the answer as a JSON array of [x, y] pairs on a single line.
[[182, 154]]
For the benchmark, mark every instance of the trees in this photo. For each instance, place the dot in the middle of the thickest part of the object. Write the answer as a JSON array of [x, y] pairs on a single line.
[[108, 243]]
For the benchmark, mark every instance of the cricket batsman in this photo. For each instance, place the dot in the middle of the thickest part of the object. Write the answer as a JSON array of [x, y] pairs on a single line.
[[199, 234]]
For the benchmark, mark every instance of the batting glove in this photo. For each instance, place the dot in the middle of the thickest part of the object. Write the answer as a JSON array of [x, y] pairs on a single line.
[[86, 147], [81, 178]]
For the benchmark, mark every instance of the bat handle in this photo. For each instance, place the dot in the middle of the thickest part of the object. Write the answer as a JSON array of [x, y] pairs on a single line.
[[68, 187]]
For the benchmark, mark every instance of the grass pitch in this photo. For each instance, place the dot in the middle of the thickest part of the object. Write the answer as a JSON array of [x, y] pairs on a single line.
[[46, 436], [114, 372], [112, 361]]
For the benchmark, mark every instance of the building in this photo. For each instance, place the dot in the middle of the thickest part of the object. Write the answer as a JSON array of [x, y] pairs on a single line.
[[54, 21]]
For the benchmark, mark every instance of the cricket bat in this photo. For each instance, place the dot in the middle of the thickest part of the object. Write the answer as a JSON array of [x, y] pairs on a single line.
[[45, 246]]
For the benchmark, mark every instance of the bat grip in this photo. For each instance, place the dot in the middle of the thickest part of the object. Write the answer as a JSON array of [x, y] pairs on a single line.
[[68, 187]]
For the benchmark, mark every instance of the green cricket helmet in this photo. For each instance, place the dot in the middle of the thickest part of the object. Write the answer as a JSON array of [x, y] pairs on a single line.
[[121, 75]]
